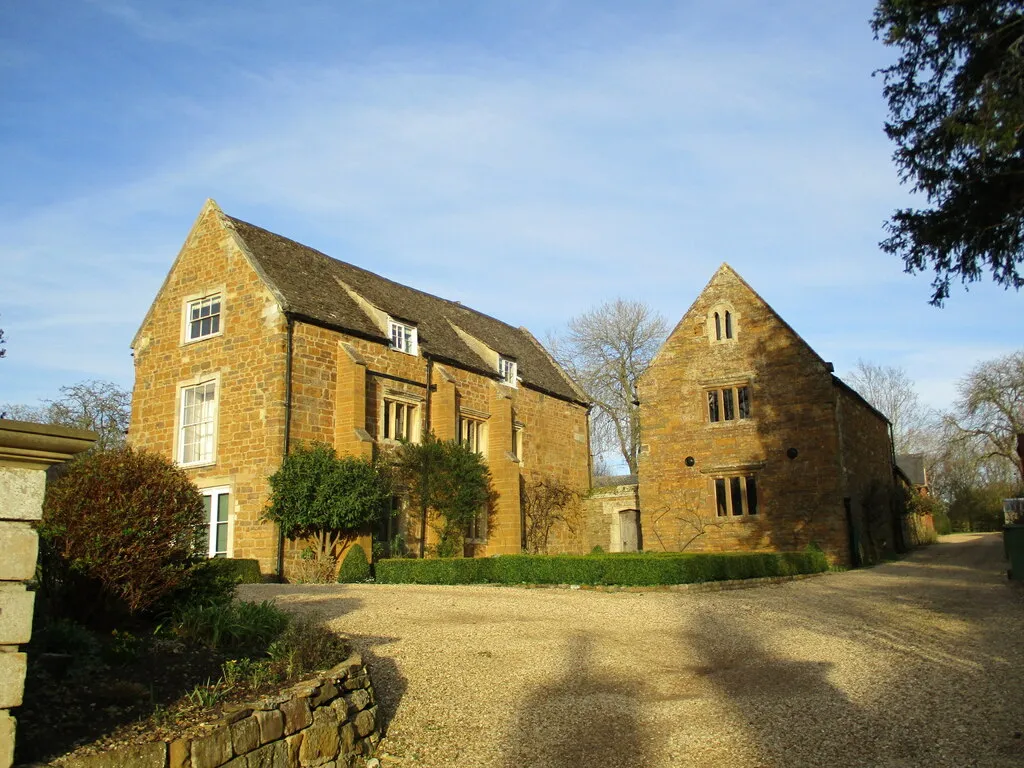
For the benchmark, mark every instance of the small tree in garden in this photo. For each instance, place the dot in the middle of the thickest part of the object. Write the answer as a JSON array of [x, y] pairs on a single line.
[[448, 484], [119, 528], [546, 503], [322, 498]]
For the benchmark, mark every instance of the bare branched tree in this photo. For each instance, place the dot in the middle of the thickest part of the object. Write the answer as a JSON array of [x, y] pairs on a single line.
[[101, 406], [606, 350], [547, 503], [889, 389], [990, 408]]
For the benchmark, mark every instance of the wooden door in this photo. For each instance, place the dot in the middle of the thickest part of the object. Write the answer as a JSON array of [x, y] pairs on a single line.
[[628, 530]]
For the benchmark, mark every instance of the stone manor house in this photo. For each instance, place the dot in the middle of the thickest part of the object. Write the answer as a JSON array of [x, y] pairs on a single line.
[[255, 342]]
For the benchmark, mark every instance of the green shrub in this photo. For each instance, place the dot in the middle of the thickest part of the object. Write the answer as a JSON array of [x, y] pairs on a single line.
[[631, 569], [354, 567], [118, 534], [210, 581], [307, 645], [319, 497], [237, 626], [597, 550]]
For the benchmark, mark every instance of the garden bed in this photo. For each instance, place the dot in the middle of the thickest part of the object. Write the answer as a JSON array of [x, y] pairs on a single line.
[[87, 693]]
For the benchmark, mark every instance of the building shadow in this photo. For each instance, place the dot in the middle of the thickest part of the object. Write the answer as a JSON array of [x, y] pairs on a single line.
[[584, 718], [790, 712]]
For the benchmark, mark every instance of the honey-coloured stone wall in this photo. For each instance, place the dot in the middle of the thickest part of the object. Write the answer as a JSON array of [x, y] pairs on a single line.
[[282, 380], [247, 359], [793, 443]]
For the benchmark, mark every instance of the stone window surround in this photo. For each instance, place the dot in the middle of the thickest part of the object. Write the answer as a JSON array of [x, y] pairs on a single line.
[[729, 501], [181, 386], [480, 418], [518, 435], [398, 396], [733, 391], [726, 471], [722, 308], [220, 290]]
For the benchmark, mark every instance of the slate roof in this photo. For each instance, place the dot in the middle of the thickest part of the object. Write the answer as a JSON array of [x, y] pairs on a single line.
[[306, 282], [912, 465]]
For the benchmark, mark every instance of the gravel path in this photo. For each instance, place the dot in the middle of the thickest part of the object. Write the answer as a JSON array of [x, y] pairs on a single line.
[[914, 663]]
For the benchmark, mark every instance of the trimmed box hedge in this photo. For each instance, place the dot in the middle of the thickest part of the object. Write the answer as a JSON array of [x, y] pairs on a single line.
[[632, 569]]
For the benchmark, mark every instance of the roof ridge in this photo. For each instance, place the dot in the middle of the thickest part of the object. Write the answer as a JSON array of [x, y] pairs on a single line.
[[449, 302]]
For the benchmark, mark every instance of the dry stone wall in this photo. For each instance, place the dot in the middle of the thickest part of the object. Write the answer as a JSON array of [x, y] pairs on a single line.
[[331, 721]]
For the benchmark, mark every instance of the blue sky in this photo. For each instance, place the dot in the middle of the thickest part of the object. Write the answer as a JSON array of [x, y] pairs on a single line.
[[530, 159]]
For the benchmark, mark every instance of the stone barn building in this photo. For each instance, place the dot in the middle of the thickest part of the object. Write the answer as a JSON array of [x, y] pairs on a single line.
[[256, 342], [750, 442]]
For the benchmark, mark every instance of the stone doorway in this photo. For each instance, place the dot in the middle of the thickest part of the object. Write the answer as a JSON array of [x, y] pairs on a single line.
[[629, 530]]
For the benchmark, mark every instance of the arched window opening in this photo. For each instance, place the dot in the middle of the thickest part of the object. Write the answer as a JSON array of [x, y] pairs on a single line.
[[728, 325], [718, 327]]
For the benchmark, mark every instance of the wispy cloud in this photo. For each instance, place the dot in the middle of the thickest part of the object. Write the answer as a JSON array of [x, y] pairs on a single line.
[[530, 180]]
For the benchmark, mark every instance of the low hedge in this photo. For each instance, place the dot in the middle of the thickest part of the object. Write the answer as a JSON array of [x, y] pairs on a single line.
[[240, 570], [635, 570]]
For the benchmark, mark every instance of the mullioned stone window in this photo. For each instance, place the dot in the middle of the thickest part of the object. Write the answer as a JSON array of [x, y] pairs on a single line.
[[736, 496], [729, 403]]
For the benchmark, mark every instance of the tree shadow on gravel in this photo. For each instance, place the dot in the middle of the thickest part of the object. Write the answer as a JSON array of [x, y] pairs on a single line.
[[583, 719], [793, 714]]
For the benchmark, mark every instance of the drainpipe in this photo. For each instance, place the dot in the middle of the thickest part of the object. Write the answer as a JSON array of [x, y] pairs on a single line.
[[426, 427], [287, 430]]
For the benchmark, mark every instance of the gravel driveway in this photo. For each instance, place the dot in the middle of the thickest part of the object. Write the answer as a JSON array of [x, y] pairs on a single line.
[[914, 663]]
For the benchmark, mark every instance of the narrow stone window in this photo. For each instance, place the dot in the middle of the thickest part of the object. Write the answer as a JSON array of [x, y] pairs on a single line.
[[751, 495], [736, 486], [721, 503], [728, 325], [713, 405], [718, 327], [743, 397], [729, 407]]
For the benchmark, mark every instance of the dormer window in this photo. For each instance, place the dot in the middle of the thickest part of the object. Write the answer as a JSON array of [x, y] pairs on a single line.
[[202, 318], [507, 369], [403, 337]]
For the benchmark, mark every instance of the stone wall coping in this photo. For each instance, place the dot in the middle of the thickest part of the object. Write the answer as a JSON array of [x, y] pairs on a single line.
[[613, 490], [41, 445]]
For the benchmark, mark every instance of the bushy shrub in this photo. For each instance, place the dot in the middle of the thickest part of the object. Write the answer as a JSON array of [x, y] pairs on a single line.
[[640, 569], [235, 626], [210, 581], [322, 498], [448, 486], [354, 567], [307, 645], [118, 533]]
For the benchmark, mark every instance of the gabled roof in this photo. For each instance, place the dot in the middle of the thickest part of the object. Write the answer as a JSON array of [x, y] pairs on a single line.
[[728, 271], [311, 286]]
